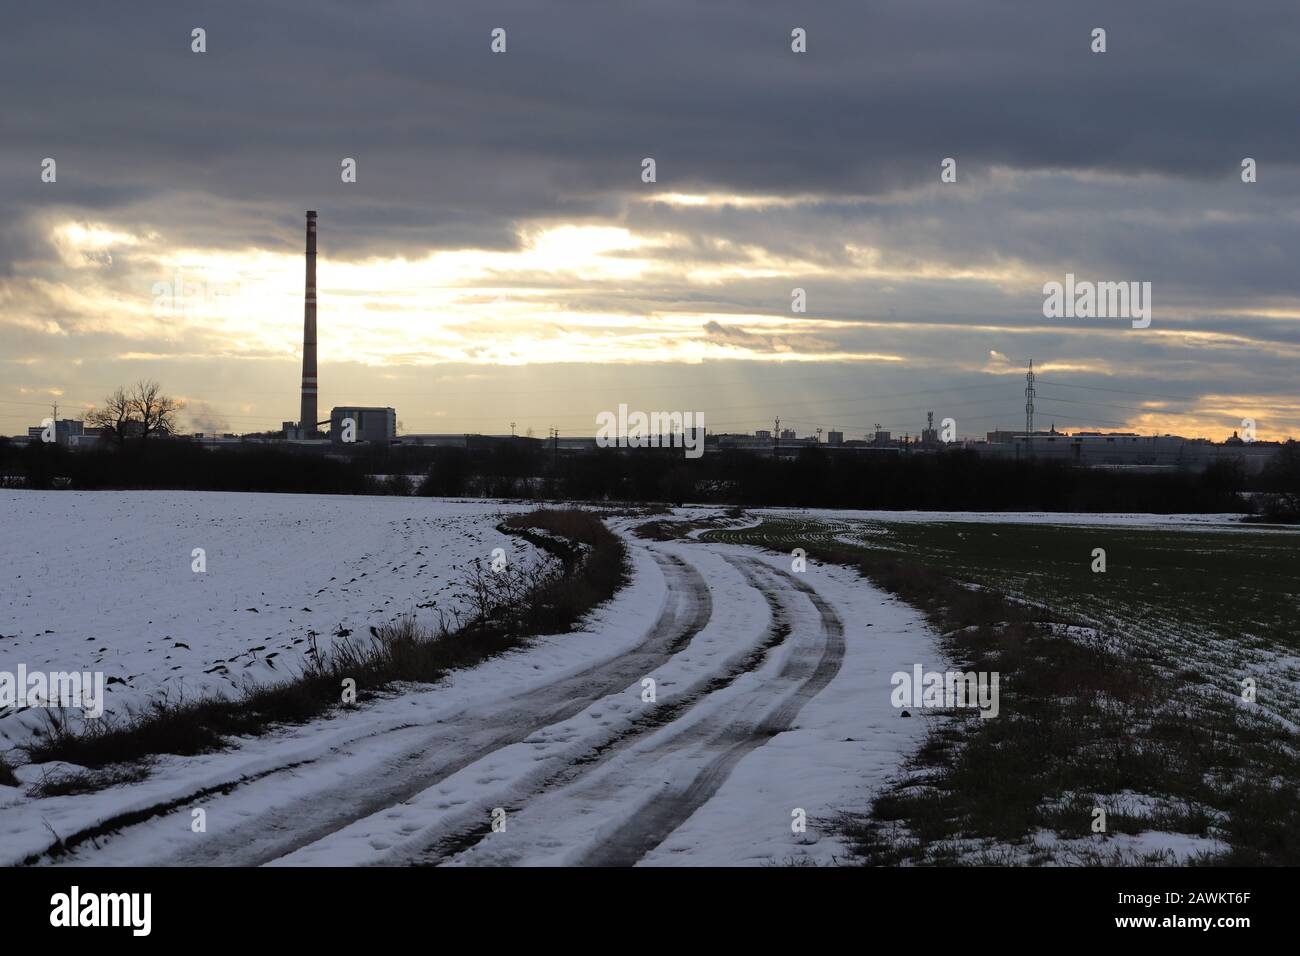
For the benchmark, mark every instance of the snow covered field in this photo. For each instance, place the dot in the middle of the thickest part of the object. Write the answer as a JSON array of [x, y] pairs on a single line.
[[771, 702], [103, 581]]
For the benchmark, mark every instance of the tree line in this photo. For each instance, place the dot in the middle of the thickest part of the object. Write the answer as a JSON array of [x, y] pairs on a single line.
[[948, 480], [132, 420]]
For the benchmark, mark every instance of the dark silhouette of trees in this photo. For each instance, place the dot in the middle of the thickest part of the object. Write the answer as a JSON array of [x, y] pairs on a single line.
[[1281, 481], [950, 480], [140, 411]]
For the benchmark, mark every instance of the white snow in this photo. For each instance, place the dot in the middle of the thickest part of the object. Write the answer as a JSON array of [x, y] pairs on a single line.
[[103, 581], [1169, 849], [848, 741], [847, 744], [349, 749]]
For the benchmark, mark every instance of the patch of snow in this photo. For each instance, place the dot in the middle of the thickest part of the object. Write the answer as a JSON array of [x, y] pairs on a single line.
[[103, 581]]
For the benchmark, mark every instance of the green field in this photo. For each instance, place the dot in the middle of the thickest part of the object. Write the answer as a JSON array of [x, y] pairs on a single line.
[[1223, 602], [1140, 709]]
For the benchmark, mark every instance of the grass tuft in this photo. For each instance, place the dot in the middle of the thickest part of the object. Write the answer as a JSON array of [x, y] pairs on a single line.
[[7, 778], [71, 782]]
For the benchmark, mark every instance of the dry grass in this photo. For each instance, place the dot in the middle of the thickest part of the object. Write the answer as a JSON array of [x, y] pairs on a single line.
[[7, 778]]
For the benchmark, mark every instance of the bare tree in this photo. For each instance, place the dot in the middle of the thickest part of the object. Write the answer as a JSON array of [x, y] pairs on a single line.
[[139, 412], [113, 417], [155, 411]]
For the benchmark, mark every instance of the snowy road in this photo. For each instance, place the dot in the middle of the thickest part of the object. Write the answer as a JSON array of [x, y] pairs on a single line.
[[770, 699]]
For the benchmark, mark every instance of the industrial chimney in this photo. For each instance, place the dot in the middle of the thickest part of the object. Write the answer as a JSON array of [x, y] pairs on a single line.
[[307, 418]]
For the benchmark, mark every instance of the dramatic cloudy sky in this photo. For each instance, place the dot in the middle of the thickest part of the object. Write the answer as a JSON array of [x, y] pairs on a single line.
[[499, 258]]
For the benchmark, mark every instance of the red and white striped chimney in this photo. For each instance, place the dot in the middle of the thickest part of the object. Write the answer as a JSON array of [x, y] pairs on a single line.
[[307, 418]]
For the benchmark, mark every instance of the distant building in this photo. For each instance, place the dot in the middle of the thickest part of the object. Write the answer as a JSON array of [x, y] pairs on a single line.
[[1128, 450], [67, 431], [432, 440], [1004, 435], [373, 425], [835, 438]]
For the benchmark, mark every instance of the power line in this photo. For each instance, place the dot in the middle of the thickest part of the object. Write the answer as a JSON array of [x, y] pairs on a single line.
[[1125, 391], [764, 380], [1099, 421], [1075, 401], [816, 405], [39, 404]]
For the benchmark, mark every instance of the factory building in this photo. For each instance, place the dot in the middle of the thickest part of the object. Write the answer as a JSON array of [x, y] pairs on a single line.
[[67, 431], [371, 425], [1127, 450]]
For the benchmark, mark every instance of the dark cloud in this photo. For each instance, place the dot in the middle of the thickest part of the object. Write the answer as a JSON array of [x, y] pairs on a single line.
[[454, 144]]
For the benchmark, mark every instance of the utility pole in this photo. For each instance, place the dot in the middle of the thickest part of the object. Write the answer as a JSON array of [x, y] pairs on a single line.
[[776, 437], [1029, 406], [512, 429]]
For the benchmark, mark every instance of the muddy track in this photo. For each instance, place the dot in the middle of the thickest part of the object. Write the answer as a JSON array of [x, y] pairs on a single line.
[[614, 816], [641, 834], [454, 743], [468, 830]]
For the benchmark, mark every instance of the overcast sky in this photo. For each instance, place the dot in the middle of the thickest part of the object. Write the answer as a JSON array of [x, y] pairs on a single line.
[[499, 258]]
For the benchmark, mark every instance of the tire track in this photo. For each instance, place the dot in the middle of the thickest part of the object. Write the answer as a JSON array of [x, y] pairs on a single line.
[[572, 815], [468, 830], [641, 834], [459, 741]]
